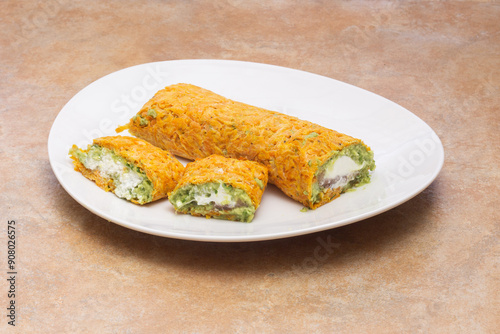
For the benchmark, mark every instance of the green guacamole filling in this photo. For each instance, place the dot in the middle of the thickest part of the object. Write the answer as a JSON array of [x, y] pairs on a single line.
[[232, 203], [152, 113], [130, 181], [360, 155]]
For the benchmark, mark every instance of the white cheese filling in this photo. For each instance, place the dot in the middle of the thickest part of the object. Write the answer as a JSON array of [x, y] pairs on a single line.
[[342, 171], [205, 196], [125, 179]]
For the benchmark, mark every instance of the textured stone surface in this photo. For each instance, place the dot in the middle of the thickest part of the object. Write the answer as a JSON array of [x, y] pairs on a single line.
[[429, 265]]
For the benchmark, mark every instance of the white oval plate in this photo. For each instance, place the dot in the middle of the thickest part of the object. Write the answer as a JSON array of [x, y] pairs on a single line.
[[408, 153]]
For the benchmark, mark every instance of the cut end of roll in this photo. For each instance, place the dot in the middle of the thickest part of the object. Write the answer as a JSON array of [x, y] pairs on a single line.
[[113, 173], [213, 200], [343, 170]]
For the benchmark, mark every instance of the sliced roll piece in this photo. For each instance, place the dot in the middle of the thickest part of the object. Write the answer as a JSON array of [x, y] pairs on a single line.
[[308, 162], [131, 168], [219, 187]]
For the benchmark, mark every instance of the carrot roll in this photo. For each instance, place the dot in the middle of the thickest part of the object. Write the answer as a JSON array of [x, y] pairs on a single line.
[[220, 187], [308, 162], [131, 168]]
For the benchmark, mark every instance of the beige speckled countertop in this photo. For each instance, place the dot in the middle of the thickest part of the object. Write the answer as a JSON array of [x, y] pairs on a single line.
[[429, 265]]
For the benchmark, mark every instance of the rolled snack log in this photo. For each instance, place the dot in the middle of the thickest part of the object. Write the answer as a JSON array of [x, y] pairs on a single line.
[[308, 162], [220, 187], [130, 167]]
